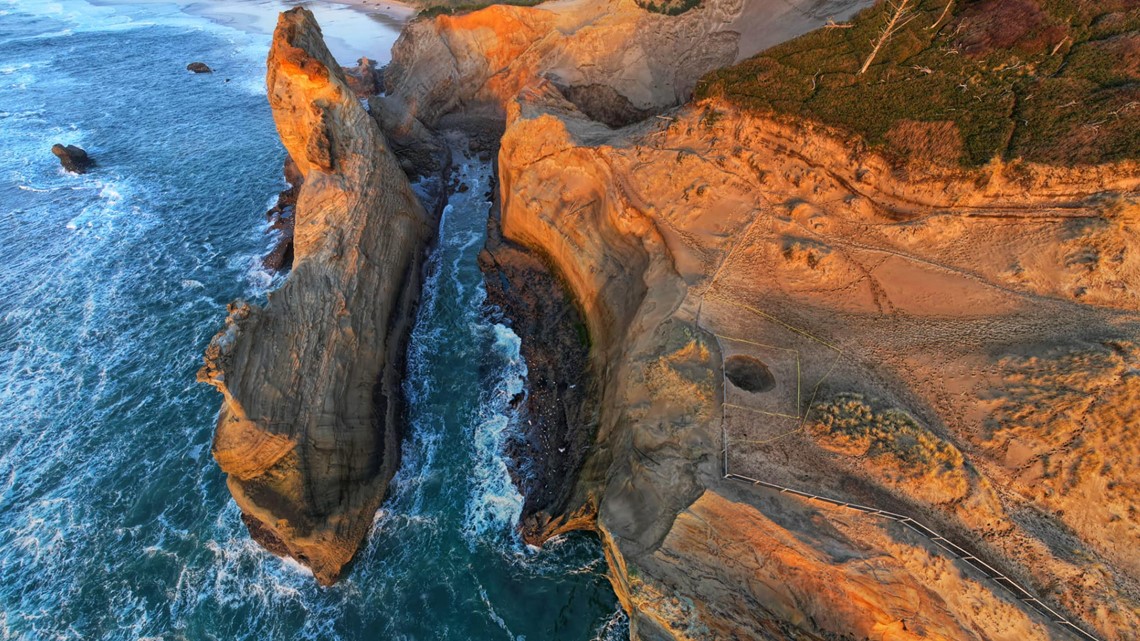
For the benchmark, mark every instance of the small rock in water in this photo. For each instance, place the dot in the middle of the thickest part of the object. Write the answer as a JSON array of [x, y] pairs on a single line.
[[199, 67], [463, 187], [73, 159], [365, 79]]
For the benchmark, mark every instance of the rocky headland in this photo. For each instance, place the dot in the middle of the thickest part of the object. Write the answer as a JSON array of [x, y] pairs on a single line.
[[924, 355], [942, 342], [310, 428], [740, 322]]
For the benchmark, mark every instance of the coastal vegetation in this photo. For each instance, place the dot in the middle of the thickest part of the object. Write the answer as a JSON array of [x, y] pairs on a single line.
[[892, 444], [436, 8], [668, 7], [1051, 81]]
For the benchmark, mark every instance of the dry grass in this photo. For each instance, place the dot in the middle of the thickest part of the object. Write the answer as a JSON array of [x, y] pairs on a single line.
[[1068, 428], [895, 449]]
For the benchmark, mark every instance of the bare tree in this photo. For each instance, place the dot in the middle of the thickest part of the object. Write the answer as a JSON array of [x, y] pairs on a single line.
[[945, 11], [901, 14]]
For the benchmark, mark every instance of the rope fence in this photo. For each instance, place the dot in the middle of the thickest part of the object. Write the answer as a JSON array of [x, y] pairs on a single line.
[[956, 551], [1020, 593]]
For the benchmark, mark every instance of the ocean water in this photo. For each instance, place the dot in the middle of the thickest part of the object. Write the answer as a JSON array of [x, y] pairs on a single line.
[[114, 521]]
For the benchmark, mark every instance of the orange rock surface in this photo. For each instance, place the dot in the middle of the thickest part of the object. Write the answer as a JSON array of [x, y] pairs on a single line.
[[954, 346], [309, 431], [936, 352]]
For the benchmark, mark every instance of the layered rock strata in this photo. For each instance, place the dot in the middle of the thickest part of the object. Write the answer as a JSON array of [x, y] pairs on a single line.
[[908, 368], [615, 60], [309, 430], [954, 346]]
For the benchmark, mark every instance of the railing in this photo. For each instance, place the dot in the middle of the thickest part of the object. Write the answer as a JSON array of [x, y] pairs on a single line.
[[958, 552]]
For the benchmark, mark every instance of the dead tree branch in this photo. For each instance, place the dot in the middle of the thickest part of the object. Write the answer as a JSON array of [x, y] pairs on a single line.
[[900, 16], [949, 3]]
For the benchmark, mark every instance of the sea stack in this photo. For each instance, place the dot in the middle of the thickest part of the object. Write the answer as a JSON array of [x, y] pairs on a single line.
[[73, 159], [309, 430]]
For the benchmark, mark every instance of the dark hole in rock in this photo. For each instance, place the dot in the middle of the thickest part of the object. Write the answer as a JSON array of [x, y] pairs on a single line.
[[749, 373], [604, 104]]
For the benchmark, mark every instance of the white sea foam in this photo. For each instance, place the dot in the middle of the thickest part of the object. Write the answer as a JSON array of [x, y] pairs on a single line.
[[7, 69], [494, 504], [493, 615], [105, 209], [615, 628]]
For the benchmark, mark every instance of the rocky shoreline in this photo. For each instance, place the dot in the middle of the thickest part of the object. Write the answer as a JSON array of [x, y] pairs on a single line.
[[282, 219], [637, 257], [558, 412]]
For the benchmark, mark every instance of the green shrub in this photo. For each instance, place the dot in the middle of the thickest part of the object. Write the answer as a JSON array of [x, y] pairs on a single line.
[[1009, 88], [669, 7], [441, 9]]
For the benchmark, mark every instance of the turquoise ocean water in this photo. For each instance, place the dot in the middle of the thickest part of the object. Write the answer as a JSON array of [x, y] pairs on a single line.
[[114, 521]]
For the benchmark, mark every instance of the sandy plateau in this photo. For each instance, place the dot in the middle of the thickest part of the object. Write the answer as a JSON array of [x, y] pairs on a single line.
[[959, 348]]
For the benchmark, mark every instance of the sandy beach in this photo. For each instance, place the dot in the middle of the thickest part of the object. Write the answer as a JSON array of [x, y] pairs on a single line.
[[352, 28]]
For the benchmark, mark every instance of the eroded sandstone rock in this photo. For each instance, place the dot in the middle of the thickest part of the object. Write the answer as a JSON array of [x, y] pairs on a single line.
[[310, 425], [282, 218], [365, 79], [987, 314], [618, 62], [684, 253]]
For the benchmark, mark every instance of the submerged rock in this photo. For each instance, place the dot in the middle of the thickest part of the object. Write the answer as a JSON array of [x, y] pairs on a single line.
[[309, 431], [199, 67], [73, 159]]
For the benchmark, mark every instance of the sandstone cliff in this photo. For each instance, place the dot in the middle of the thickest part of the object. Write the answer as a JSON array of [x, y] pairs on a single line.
[[769, 298], [616, 61], [935, 347], [309, 430]]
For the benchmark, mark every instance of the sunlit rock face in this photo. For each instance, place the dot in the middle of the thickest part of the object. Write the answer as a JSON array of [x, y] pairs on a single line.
[[958, 346], [310, 427], [877, 347], [616, 61], [930, 341]]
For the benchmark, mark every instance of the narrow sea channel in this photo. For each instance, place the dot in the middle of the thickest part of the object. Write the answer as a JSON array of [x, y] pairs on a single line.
[[115, 522]]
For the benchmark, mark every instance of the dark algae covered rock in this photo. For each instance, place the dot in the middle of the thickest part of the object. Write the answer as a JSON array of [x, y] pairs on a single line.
[[73, 159]]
